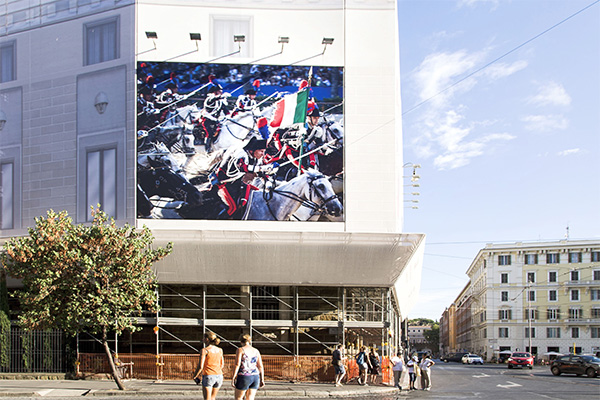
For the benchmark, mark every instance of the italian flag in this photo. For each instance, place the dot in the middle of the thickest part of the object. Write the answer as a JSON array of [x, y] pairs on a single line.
[[291, 109]]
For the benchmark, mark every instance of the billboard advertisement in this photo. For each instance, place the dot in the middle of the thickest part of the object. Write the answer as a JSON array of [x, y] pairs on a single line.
[[240, 142]]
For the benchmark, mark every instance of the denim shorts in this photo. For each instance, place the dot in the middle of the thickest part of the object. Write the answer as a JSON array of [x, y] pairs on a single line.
[[245, 382], [212, 381], [339, 369]]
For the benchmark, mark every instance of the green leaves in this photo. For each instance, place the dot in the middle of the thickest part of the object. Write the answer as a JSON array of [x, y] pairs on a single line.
[[83, 277]]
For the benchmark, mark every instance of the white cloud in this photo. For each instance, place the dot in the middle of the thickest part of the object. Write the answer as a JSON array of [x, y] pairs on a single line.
[[551, 93], [501, 70], [453, 141], [473, 3], [568, 152], [545, 123], [439, 70]]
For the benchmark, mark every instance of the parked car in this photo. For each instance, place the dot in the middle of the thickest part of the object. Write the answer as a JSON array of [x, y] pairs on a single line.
[[520, 360], [576, 364], [472, 359], [456, 357]]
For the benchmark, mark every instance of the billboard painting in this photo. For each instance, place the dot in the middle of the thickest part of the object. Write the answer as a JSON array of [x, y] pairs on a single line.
[[240, 142]]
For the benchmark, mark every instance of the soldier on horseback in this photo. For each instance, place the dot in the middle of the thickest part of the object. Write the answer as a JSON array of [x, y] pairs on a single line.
[[214, 104], [231, 181]]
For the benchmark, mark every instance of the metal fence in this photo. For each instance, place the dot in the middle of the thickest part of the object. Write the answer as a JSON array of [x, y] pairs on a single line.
[[35, 352], [183, 367]]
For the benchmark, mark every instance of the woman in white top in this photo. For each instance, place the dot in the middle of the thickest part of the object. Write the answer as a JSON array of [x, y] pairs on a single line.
[[426, 364]]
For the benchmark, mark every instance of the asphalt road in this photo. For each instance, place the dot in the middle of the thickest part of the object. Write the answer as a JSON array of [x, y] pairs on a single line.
[[497, 382]]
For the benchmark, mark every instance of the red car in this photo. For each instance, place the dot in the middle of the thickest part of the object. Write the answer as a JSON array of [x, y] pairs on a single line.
[[520, 360]]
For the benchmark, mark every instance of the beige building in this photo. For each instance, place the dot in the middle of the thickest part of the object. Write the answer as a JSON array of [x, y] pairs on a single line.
[[539, 297]]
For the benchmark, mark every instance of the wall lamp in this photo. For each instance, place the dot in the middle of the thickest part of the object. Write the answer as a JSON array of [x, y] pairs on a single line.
[[2, 119], [101, 102], [281, 39], [195, 37], [326, 42], [239, 39], [152, 36]]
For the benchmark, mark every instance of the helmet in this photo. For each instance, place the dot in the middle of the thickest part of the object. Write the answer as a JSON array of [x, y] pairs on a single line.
[[250, 91], [255, 144], [314, 113], [215, 88]]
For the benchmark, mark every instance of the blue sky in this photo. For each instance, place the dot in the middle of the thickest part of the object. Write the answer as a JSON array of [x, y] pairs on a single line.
[[512, 152]]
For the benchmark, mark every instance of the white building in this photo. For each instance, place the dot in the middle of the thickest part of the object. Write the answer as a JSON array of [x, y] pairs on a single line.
[[548, 289], [68, 140]]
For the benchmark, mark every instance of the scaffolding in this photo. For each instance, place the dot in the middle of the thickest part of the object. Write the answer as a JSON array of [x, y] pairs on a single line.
[[282, 320]]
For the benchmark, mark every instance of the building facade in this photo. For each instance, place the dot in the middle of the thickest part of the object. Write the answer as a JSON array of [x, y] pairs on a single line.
[[73, 74], [538, 297]]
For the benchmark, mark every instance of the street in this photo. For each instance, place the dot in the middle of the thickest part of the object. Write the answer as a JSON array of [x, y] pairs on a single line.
[[496, 381]]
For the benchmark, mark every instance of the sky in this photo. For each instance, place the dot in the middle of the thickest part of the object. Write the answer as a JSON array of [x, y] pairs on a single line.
[[501, 109]]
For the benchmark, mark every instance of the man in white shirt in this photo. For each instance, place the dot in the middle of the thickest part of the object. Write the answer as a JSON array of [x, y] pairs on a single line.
[[397, 368]]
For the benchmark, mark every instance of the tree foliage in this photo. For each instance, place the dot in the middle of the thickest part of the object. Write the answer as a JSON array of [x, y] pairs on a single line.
[[433, 336], [83, 278]]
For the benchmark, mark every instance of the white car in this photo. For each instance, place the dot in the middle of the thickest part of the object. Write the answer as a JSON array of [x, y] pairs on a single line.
[[472, 359]]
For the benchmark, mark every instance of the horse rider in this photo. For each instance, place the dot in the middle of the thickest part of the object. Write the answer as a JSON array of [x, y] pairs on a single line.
[[231, 180], [214, 104], [245, 102], [316, 137]]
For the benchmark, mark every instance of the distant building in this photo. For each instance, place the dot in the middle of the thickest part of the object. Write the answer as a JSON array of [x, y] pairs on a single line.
[[539, 297], [416, 337]]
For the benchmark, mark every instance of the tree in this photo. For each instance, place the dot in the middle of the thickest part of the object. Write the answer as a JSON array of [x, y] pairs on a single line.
[[84, 278], [433, 336]]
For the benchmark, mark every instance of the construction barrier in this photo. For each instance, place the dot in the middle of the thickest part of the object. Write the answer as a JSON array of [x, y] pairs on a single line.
[[183, 367]]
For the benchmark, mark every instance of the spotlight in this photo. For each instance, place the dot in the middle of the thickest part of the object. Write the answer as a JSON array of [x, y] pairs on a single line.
[[151, 35]]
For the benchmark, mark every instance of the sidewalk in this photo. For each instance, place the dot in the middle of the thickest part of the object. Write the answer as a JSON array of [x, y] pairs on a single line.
[[168, 389]]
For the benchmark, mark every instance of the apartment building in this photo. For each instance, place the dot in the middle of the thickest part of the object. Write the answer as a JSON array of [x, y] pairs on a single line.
[[540, 297]]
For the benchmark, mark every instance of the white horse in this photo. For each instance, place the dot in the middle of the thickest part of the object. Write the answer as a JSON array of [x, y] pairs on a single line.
[[278, 204], [239, 129], [307, 213]]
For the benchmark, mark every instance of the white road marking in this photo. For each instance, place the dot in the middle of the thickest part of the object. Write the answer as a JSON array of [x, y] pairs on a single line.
[[512, 384], [481, 376]]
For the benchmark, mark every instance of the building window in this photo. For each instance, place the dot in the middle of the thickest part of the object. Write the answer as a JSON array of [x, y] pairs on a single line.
[[503, 332], [574, 275], [594, 294], [531, 277], [552, 295], [575, 350], [575, 313], [596, 274], [575, 332], [575, 295], [552, 275], [533, 314], [595, 332], [552, 258], [7, 195], [504, 277], [554, 349], [505, 314], [595, 313], [553, 333], [504, 296], [531, 259], [101, 41], [531, 295], [595, 256], [7, 62], [553, 313], [527, 332], [504, 260], [102, 181], [574, 257]]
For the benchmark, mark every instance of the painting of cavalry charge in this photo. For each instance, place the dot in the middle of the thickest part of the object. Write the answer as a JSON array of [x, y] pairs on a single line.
[[240, 142]]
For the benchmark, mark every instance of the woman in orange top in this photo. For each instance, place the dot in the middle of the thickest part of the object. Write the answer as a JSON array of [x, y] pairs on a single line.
[[211, 367]]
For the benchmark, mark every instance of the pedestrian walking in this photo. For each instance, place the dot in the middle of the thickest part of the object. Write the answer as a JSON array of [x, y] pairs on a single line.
[[362, 360], [397, 368], [338, 359], [248, 374], [425, 366], [211, 367], [375, 366]]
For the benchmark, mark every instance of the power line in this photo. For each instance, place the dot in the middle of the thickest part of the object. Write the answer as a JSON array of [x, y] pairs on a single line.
[[499, 58]]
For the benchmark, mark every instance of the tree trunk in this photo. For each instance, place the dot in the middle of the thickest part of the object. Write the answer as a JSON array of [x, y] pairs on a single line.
[[111, 362]]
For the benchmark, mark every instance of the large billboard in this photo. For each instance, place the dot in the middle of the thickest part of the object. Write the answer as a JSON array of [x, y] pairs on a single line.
[[240, 142]]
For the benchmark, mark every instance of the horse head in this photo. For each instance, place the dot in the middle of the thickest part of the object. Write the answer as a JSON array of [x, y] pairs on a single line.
[[321, 192], [164, 182]]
